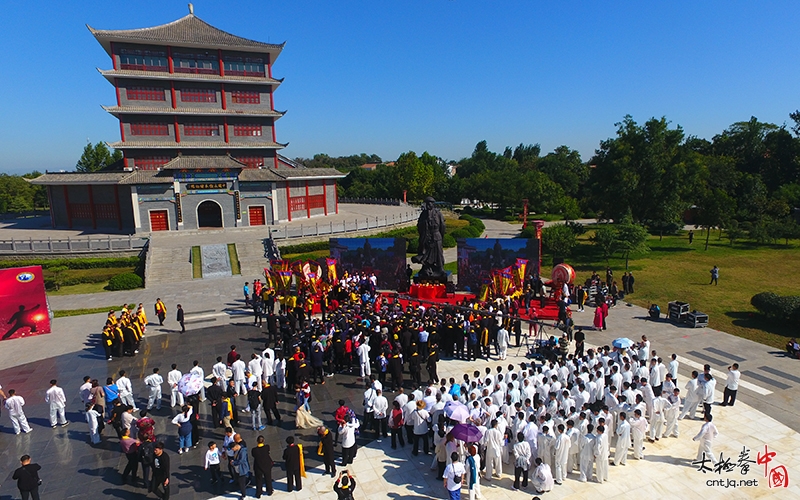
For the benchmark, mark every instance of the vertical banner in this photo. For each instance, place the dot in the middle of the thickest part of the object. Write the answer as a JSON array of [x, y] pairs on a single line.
[[23, 303], [178, 209], [237, 205]]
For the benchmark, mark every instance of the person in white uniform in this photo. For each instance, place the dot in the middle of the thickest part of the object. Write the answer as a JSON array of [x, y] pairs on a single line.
[[58, 401], [706, 437], [220, 370], [657, 417], [638, 431], [561, 449], [542, 477], [502, 342], [239, 371], [691, 401], [126, 390], [153, 382], [363, 359], [173, 377], [494, 445], [623, 440], [601, 452], [671, 413], [14, 405], [588, 447]]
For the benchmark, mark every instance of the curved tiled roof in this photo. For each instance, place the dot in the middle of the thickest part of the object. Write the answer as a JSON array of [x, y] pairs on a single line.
[[194, 162], [190, 31]]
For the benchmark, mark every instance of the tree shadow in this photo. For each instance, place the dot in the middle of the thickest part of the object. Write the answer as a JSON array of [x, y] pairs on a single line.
[[670, 249], [749, 319]]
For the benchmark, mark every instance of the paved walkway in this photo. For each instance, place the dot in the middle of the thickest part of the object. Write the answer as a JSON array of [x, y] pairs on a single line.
[[766, 413]]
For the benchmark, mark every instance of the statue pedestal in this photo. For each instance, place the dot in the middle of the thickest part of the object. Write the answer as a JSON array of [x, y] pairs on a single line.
[[441, 279]]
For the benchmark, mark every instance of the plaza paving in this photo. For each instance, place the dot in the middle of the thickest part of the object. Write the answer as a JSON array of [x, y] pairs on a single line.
[[766, 413]]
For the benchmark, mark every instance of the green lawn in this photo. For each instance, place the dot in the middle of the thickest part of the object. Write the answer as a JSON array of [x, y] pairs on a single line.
[[197, 263], [79, 289], [674, 270]]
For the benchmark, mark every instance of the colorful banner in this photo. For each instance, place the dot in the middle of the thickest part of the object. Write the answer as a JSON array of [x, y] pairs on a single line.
[[284, 281], [23, 303], [279, 265], [332, 274], [520, 267]]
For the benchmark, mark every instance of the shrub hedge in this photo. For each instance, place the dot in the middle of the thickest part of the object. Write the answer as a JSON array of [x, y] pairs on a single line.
[[74, 263], [125, 281], [781, 309]]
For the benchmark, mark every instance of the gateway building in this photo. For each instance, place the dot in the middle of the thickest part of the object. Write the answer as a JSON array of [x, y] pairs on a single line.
[[197, 131]]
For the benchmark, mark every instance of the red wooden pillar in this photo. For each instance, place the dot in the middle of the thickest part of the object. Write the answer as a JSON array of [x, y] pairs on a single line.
[[169, 59], [177, 130], [119, 208], [288, 201], [113, 56], [69, 210], [225, 125], [221, 66], [172, 90], [91, 207], [325, 195], [222, 91], [308, 205], [336, 195], [50, 203]]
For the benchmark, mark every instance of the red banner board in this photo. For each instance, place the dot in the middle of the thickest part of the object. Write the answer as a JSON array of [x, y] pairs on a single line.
[[23, 304]]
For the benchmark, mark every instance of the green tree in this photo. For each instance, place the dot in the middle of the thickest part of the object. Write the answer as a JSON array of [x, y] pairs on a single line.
[[97, 157], [559, 239], [714, 210], [636, 172], [16, 194], [565, 168], [605, 239], [415, 175], [631, 239], [733, 232]]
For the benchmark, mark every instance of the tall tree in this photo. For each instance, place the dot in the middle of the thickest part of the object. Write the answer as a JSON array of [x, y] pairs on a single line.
[[631, 239], [96, 157], [635, 172], [559, 239], [605, 239], [415, 175], [565, 168]]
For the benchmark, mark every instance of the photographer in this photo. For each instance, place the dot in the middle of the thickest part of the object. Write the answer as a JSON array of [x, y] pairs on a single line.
[[347, 487], [28, 480]]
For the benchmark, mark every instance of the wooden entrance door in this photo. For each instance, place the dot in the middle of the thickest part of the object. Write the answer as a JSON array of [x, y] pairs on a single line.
[[159, 220], [256, 216]]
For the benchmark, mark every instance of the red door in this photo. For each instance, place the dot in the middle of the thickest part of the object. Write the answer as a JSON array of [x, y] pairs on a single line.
[[256, 216], [159, 220]]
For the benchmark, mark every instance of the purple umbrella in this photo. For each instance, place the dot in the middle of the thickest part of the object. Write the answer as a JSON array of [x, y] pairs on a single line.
[[467, 432], [456, 411]]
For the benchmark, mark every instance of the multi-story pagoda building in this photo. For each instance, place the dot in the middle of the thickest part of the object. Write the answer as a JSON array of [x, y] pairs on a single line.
[[197, 130]]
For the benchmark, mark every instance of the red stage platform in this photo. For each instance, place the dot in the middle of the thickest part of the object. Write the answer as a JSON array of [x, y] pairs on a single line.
[[428, 292], [548, 313]]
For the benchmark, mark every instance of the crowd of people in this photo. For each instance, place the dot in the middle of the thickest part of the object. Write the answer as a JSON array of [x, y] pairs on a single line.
[[565, 411]]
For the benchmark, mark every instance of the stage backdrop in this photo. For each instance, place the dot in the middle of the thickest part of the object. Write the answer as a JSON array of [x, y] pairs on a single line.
[[477, 257], [23, 304], [386, 257]]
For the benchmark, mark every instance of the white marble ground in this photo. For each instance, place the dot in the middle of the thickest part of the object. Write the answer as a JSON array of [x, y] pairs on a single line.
[[666, 472]]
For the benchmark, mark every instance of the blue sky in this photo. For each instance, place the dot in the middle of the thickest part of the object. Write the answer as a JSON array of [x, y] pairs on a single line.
[[386, 77]]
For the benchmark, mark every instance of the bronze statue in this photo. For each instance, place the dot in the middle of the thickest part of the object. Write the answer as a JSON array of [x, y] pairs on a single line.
[[430, 254]]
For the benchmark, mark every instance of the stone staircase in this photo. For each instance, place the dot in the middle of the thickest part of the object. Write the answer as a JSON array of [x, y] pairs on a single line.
[[167, 265], [251, 259]]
